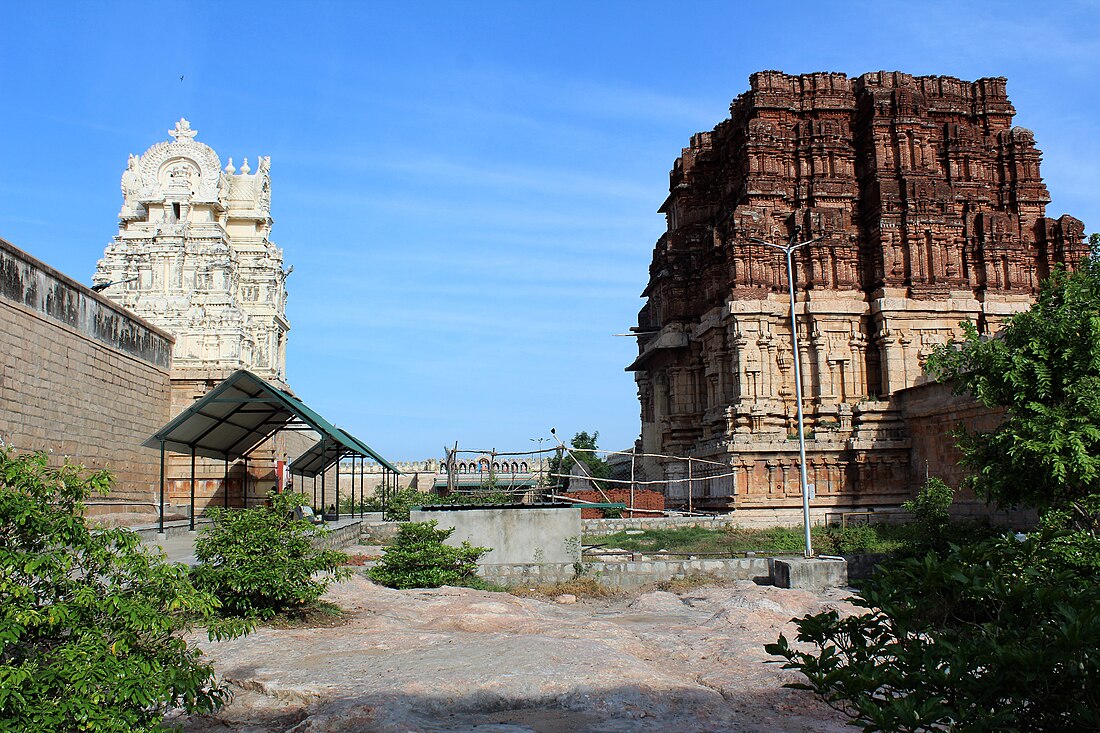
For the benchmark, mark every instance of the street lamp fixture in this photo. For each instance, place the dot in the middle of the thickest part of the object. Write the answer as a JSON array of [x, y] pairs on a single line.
[[539, 458], [788, 250], [100, 287]]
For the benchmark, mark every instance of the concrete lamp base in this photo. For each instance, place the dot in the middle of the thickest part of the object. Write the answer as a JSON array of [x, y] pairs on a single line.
[[815, 574]]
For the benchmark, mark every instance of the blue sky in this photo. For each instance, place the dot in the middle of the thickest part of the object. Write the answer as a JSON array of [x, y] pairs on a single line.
[[468, 191]]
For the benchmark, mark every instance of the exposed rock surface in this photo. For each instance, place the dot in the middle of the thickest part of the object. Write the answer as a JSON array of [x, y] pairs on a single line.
[[456, 659]]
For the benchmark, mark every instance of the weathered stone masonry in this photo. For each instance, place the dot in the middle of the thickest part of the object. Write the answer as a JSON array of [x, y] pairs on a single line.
[[932, 211], [80, 376]]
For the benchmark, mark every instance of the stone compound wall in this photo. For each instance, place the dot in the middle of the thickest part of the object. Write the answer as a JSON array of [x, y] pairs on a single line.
[[627, 574], [601, 527], [419, 475], [932, 413], [80, 377]]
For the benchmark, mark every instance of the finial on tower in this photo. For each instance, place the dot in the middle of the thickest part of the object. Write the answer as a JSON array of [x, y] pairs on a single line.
[[229, 167], [183, 132], [244, 167]]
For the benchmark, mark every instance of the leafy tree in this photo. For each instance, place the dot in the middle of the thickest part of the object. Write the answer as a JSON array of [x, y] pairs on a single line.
[[89, 619], [994, 636], [584, 446], [1043, 368], [419, 558], [999, 634], [260, 562]]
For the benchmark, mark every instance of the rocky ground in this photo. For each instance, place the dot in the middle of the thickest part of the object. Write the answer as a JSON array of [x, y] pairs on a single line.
[[455, 659]]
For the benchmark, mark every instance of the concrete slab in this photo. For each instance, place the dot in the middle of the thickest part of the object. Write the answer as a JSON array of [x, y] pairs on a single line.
[[813, 574]]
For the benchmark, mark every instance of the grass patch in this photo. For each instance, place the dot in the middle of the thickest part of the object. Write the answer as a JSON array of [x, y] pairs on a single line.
[[478, 583], [734, 541], [580, 587], [316, 615], [689, 582]]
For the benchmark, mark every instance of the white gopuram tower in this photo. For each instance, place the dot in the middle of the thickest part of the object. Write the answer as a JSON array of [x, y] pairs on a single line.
[[193, 257]]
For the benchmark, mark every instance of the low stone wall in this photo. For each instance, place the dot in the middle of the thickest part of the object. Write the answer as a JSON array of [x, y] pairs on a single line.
[[629, 574], [377, 532], [149, 532], [343, 536], [602, 527]]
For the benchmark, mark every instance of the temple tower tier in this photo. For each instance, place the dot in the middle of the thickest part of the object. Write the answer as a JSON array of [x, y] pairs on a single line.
[[930, 210], [193, 256]]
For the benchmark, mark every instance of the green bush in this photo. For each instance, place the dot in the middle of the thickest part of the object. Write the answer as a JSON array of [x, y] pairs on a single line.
[[1074, 537], [1043, 368], [995, 636], [399, 503], [352, 505], [260, 562], [783, 539], [418, 558], [88, 617], [931, 509], [846, 540]]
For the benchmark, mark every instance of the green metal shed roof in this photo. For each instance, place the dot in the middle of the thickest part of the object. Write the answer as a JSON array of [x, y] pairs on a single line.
[[330, 449], [236, 416]]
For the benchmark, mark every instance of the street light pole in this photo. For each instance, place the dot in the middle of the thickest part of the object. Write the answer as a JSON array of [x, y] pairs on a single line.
[[539, 459], [788, 250]]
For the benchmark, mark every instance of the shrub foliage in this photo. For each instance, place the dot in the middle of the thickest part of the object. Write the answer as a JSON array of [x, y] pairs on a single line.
[[999, 633], [88, 617], [399, 503], [260, 562], [995, 636], [1044, 369], [418, 558]]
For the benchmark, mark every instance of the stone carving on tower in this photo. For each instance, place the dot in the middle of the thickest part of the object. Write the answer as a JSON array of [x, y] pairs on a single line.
[[193, 256], [931, 211]]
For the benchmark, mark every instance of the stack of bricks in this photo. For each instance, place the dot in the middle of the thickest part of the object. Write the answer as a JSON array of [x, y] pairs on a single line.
[[653, 501]]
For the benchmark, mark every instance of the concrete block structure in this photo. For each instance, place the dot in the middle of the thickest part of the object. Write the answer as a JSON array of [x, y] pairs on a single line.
[[814, 574], [516, 534]]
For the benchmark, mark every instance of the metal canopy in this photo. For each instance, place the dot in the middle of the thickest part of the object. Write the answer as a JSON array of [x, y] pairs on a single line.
[[330, 449], [481, 481], [242, 412], [234, 418]]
